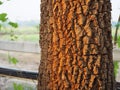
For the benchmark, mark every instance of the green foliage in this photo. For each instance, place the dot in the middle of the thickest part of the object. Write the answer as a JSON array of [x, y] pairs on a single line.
[[12, 32], [15, 25], [3, 17], [21, 87], [116, 67], [12, 60], [118, 41], [18, 86], [13, 37], [1, 2]]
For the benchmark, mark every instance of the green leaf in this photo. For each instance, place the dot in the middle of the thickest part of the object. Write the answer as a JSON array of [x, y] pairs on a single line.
[[116, 67], [15, 25], [3, 17], [12, 60], [1, 2]]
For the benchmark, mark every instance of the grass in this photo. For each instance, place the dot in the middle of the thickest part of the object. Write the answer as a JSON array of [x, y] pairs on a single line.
[[23, 87], [21, 30], [23, 34], [23, 37], [118, 41], [116, 67]]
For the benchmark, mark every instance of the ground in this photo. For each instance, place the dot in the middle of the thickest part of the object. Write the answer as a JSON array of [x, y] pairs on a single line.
[[27, 61]]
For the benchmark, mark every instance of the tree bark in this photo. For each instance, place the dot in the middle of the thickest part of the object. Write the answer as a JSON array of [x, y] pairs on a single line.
[[76, 45]]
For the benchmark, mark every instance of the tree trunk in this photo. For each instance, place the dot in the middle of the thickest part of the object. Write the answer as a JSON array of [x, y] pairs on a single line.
[[76, 45]]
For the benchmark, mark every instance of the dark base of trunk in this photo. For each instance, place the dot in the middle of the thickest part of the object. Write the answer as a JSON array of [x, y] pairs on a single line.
[[117, 85]]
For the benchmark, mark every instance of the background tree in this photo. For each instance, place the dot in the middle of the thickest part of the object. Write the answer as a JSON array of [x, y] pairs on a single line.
[[116, 31], [76, 45]]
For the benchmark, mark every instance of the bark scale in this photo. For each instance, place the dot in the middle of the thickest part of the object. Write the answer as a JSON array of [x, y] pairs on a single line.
[[76, 45]]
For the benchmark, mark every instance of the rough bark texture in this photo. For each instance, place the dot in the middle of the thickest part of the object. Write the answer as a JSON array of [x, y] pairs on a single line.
[[76, 45]]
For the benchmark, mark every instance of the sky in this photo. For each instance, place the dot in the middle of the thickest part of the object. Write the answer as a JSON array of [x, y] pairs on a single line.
[[29, 9], [21, 9], [115, 9]]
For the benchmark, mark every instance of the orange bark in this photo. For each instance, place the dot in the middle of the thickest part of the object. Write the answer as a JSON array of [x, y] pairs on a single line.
[[76, 45]]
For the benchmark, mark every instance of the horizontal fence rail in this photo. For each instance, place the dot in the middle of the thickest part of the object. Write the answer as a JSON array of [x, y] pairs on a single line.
[[27, 47], [18, 73]]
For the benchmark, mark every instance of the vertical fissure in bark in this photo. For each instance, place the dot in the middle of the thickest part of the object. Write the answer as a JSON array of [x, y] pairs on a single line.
[[76, 45]]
